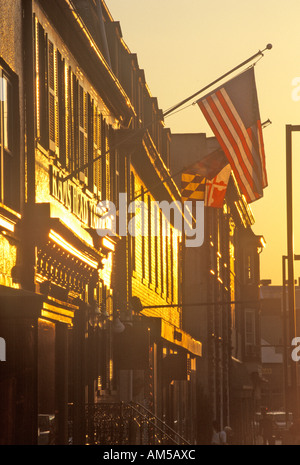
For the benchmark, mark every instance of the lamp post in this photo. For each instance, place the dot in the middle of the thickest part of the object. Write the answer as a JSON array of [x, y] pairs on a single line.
[[284, 320], [285, 332], [290, 259]]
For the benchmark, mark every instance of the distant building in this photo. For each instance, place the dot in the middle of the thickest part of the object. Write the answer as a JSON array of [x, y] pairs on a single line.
[[277, 375], [221, 303]]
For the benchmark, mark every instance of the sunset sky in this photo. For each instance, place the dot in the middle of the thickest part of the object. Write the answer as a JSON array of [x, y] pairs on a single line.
[[183, 46]]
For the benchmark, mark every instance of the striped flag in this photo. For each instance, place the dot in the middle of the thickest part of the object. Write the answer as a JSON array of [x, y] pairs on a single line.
[[233, 114]]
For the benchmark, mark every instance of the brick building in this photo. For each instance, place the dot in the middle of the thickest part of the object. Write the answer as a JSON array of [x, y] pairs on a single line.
[[85, 129], [221, 303]]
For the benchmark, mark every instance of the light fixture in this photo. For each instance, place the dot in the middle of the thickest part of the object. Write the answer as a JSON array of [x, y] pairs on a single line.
[[103, 311], [117, 326], [94, 314]]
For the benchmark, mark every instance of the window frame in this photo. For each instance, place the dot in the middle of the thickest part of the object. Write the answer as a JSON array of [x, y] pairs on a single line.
[[10, 198]]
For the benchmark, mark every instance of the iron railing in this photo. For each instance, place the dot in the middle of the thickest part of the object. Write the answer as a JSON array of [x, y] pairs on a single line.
[[160, 426], [120, 423]]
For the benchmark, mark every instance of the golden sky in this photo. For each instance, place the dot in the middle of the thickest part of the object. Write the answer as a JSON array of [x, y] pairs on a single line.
[[183, 46]]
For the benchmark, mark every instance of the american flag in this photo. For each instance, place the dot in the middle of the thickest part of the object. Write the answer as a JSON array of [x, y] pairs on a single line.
[[233, 114]]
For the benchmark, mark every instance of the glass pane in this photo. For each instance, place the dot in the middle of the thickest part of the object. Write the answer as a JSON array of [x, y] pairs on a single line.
[[6, 102]]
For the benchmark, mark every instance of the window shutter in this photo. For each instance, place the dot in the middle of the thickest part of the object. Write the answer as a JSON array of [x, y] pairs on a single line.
[[103, 159], [107, 164], [69, 144], [75, 123], [90, 148], [62, 123], [83, 128], [42, 90], [97, 152], [53, 100]]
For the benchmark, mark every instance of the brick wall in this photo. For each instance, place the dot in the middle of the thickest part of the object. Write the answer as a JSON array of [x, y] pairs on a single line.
[[155, 274]]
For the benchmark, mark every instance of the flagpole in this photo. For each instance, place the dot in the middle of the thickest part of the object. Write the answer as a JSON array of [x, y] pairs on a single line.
[[260, 52], [166, 113], [162, 181], [290, 259]]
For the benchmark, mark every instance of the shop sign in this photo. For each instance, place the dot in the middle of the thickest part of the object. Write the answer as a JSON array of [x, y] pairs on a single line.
[[74, 199]]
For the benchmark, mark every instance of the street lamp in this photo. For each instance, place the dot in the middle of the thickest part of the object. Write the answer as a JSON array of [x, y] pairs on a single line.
[[285, 330], [290, 259]]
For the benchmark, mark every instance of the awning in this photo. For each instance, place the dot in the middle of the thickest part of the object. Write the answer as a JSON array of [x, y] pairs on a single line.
[[180, 338], [18, 303], [55, 310], [240, 379], [175, 335]]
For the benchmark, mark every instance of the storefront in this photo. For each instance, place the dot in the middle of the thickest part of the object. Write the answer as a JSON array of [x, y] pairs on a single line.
[[56, 332]]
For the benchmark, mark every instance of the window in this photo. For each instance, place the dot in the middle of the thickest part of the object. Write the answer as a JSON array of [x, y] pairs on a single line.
[[97, 144], [150, 239], [132, 236], [167, 261], [250, 331], [53, 99], [62, 102], [156, 246], [172, 262], [105, 162], [41, 87], [9, 138], [249, 268], [143, 231], [161, 233]]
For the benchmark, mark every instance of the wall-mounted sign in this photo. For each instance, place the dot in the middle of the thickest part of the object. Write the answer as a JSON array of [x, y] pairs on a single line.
[[74, 199]]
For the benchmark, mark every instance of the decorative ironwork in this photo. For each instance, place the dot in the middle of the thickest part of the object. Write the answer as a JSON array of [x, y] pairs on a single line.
[[108, 424], [59, 267]]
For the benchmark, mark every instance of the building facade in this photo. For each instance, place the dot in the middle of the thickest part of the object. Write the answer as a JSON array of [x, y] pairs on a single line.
[[57, 358], [276, 348], [149, 258], [80, 127], [221, 303], [12, 199]]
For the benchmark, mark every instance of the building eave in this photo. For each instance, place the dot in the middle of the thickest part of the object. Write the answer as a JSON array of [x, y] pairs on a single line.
[[66, 18]]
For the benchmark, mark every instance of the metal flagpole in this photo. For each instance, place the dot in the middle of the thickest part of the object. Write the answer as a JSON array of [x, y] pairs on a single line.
[[167, 112], [260, 52], [290, 259]]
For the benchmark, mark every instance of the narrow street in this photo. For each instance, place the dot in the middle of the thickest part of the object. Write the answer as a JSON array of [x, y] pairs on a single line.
[[149, 275]]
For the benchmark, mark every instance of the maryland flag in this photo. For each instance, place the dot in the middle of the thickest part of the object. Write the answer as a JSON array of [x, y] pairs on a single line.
[[210, 165], [215, 189], [192, 186], [206, 179]]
